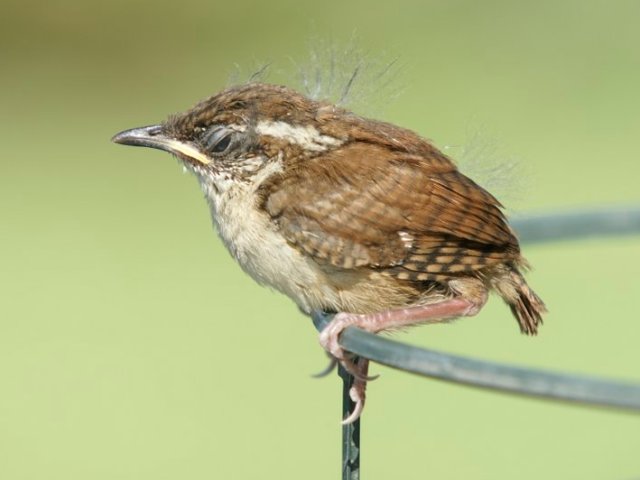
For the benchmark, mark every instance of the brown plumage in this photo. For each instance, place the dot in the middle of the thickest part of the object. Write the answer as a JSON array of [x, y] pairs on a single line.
[[346, 214], [417, 219]]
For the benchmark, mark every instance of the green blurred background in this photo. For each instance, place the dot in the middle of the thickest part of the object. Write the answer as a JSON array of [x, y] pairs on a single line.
[[132, 346]]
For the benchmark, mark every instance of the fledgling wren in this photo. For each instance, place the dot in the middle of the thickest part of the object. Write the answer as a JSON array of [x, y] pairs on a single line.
[[345, 214]]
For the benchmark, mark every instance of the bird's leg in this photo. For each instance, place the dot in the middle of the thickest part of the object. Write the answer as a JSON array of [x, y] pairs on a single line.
[[388, 320], [392, 319]]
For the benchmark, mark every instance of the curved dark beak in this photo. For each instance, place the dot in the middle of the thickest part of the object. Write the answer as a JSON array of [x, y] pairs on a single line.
[[153, 136], [150, 136]]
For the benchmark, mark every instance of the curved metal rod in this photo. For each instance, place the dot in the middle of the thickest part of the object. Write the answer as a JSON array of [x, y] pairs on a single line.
[[481, 373], [578, 224], [514, 379]]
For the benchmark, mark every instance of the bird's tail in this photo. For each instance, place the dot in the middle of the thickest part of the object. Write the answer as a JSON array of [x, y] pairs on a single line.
[[525, 305]]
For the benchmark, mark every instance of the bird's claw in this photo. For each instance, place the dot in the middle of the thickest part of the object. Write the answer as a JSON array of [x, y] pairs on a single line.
[[357, 392], [333, 362]]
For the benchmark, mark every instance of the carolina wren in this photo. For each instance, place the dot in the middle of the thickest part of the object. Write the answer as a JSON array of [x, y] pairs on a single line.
[[345, 214]]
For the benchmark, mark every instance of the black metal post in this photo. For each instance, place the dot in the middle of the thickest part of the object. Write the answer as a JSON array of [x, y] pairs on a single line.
[[350, 432]]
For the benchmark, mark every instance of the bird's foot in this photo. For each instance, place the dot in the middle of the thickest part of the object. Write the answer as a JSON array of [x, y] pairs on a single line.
[[376, 322], [329, 339], [355, 366]]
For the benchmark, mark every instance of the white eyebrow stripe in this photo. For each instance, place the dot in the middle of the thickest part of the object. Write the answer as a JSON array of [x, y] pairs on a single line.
[[307, 137]]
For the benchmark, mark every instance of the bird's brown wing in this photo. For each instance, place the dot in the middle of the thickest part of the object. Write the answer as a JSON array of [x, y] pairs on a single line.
[[419, 220]]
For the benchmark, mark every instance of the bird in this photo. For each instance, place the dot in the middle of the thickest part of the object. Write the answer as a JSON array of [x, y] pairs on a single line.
[[346, 214]]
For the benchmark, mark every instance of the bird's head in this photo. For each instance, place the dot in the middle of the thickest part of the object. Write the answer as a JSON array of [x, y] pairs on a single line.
[[243, 132]]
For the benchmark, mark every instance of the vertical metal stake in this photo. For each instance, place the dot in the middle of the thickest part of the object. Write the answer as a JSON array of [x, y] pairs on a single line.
[[350, 433]]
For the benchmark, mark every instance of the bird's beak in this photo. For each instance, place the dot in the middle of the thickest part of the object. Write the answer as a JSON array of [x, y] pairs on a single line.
[[154, 137]]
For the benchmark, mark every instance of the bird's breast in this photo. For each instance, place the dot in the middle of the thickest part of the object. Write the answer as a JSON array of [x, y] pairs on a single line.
[[254, 241]]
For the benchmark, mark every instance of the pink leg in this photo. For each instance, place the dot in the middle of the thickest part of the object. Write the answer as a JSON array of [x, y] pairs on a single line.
[[377, 322]]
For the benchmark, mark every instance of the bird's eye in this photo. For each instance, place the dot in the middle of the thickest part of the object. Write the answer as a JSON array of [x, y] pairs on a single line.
[[218, 140]]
